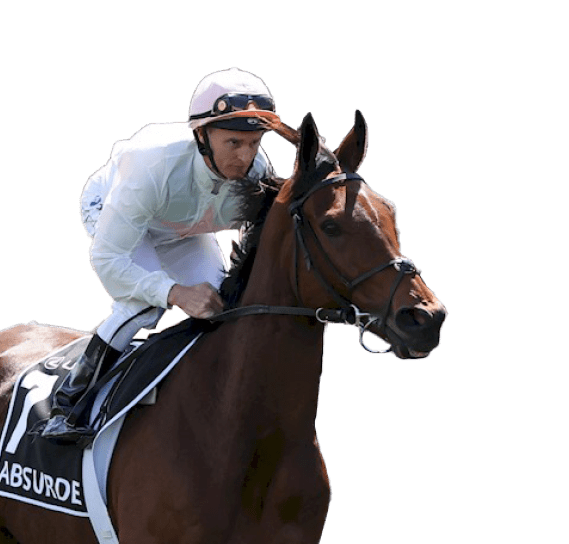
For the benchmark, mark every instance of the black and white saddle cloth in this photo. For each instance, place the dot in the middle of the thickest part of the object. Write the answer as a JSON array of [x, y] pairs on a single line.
[[39, 472]]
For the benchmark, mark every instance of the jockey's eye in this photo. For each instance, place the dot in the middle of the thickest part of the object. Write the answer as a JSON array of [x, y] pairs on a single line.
[[331, 228]]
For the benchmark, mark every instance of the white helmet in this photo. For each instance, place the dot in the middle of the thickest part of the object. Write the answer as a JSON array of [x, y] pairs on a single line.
[[232, 99]]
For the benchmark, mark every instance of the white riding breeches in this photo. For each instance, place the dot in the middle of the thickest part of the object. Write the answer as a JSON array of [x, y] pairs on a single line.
[[189, 261]]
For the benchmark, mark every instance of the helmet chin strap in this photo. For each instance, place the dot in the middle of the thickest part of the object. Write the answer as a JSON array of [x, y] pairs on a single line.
[[205, 150]]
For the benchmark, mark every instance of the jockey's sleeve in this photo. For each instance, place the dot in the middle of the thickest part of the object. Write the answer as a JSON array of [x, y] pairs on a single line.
[[137, 195]]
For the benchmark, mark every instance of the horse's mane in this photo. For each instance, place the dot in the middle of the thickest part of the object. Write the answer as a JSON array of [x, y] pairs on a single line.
[[256, 201], [256, 197]]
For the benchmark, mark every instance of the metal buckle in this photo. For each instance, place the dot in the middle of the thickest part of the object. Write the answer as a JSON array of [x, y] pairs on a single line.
[[407, 266], [358, 315], [364, 321], [321, 319]]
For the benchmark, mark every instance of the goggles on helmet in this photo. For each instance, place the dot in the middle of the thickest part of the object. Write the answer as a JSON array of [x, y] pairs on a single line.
[[231, 102]]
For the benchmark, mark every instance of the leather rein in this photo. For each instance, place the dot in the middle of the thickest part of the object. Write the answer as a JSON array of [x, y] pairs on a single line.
[[347, 313]]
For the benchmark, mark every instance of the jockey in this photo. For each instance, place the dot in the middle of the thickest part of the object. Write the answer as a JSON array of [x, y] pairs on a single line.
[[152, 211]]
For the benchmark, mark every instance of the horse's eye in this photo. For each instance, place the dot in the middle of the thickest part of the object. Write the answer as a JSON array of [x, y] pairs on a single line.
[[331, 228]]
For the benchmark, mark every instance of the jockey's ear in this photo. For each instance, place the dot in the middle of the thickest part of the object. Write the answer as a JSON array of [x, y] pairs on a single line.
[[352, 150], [199, 132]]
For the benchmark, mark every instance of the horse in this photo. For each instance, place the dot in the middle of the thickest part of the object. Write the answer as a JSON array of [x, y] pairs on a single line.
[[229, 453]]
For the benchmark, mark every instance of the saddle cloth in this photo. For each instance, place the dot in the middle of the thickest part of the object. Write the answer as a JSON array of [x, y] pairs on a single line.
[[38, 472]]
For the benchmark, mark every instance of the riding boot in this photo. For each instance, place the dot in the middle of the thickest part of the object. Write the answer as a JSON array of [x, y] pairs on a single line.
[[97, 359]]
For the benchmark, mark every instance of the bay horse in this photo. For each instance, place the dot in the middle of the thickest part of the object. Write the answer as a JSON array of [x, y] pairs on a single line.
[[229, 453]]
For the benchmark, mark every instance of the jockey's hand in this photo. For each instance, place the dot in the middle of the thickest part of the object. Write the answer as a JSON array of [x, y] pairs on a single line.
[[201, 300]]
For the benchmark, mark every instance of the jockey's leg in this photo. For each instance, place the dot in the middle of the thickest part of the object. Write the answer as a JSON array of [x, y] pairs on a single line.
[[97, 358], [193, 260], [112, 338], [190, 261], [102, 352]]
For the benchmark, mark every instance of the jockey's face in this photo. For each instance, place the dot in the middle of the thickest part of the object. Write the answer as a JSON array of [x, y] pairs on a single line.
[[233, 150]]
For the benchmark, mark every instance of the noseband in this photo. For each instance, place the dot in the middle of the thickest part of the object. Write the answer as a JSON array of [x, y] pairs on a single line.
[[347, 311]]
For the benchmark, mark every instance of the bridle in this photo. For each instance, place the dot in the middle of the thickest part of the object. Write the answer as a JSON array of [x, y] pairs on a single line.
[[347, 311]]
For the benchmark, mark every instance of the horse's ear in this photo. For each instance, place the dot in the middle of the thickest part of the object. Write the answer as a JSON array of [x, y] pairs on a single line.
[[352, 150], [309, 143], [306, 161]]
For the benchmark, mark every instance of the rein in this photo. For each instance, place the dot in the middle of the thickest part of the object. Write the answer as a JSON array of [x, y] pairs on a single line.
[[348, 313]]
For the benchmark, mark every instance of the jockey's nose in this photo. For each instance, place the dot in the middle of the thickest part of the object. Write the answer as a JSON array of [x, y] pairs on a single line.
[[245, 155]]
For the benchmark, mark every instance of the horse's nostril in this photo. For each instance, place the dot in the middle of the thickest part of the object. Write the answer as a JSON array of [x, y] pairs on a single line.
[[409, 319]]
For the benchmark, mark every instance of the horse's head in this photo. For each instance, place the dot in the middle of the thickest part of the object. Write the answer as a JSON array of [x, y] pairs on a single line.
[[341, 247]]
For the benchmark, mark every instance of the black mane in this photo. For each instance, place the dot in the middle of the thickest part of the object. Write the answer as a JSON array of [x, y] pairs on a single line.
[[256, 201]]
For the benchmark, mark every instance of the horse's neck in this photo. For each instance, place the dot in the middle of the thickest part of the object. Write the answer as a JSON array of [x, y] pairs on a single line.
[[278, 360], [269, 280], [281, 355], [284, 340]]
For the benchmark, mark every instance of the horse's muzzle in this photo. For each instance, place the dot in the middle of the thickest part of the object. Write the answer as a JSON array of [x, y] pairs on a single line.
[[415, 331]]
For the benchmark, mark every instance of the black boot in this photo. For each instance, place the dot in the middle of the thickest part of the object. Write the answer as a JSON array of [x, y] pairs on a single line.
[[97, 359]]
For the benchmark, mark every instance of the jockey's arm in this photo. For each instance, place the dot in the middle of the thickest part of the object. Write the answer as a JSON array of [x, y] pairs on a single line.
[[136, 197]]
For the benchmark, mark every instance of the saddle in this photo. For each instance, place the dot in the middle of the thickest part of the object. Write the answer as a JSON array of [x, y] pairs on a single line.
[[137, 366], [37, 471]]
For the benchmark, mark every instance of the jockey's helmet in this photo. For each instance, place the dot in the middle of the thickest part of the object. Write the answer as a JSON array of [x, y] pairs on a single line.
[[232, 99]]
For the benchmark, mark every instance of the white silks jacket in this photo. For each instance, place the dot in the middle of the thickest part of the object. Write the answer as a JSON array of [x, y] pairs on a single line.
[[155, 184]]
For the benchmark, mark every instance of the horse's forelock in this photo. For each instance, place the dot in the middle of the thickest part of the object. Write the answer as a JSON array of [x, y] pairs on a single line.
[[303, 180]]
